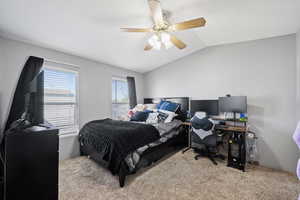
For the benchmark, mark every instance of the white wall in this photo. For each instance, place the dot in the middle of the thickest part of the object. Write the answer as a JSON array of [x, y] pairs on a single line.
[[94, 84], [298, 74], [263, 70]]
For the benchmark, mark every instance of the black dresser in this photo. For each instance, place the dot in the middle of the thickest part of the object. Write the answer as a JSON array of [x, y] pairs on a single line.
[[31, 164]]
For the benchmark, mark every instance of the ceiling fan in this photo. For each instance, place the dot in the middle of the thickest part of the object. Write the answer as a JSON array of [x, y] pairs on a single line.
[[162, 29]]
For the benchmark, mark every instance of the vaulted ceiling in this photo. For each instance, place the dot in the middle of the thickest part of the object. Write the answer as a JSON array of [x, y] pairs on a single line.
[[91, 29]]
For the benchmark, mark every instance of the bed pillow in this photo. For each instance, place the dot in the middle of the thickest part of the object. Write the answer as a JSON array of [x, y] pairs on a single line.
[[139, 116], [160, 104], [168, 116], [169, 106], [151, 106], [162, 116], [152, 118], [148, 111], [139, 107]]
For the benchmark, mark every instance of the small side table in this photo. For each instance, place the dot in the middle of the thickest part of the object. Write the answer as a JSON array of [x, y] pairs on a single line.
[[188, 126]]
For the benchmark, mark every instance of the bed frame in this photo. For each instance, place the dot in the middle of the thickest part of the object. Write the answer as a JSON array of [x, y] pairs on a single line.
[[153, 154]]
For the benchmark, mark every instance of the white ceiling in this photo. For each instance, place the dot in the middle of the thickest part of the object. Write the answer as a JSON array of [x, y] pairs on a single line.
[[90, 28]]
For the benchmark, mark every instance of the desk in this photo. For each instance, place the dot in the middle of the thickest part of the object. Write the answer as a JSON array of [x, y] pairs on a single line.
[[241, 129], [186, 123], [237, 137]]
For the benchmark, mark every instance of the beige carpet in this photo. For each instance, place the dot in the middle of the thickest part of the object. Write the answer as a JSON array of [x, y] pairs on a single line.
[[178, 177]]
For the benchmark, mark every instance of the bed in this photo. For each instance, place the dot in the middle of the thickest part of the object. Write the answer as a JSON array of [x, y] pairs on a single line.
[[103, 141]]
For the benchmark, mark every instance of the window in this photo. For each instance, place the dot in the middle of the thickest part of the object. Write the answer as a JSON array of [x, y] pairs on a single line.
[[61, 99], [120, 100]]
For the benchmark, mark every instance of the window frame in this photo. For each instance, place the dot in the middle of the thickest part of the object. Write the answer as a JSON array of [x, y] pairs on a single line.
[[75, 70], [118, 78]]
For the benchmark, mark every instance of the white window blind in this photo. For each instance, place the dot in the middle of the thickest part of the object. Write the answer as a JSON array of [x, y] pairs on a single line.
[[61, 99], [120, 99]]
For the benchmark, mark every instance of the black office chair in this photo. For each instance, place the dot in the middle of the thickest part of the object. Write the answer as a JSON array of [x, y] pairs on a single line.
[[206, 147]]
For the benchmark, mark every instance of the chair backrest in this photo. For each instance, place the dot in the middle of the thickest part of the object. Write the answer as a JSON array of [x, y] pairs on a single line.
[[209, 140]]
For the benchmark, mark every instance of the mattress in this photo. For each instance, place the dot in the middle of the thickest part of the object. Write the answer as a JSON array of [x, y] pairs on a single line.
[[166, 130]]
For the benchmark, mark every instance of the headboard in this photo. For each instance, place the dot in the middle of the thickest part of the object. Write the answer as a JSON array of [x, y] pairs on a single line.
[[183, 101]]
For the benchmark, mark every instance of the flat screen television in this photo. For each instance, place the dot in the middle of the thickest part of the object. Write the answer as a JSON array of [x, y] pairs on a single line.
[[34, 103], [210, 107], [234, 104], [28, 99]]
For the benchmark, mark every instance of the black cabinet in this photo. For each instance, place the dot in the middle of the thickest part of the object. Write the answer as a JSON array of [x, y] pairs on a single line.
[[1, 187], [31, 164]]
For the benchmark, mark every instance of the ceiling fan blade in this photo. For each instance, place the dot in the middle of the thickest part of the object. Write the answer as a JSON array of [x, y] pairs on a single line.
[[137, 29], [178, 43], [156, 11], [148, 47], [194, 23]]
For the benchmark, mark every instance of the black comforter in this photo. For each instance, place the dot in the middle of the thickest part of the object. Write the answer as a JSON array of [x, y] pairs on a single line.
[[114, 140]]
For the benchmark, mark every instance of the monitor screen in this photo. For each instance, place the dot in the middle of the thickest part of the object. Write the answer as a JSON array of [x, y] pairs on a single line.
[[209, 106], [237, 104], [27, 100], [35, 107]]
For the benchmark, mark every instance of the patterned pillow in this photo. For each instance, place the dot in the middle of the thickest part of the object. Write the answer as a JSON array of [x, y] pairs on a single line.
[[169, 106], [152, 118], [170, 115], [162, 116]]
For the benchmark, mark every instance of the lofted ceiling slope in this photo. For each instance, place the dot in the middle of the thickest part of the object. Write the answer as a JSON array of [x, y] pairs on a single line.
[[91, 29]]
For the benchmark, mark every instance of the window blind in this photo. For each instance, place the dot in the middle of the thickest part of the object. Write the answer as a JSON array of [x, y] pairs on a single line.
[[61, 100]]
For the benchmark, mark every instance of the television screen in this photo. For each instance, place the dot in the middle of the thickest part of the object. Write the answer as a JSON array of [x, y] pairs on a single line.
[[209, 106], [35, 107], [237, 104], [27, 101]]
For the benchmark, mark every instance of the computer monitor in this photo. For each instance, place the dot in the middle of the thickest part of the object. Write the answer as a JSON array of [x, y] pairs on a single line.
[[28, 99], [209, 106], [235, 104]]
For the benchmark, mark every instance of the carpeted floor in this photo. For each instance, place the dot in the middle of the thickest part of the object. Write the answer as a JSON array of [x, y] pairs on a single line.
[[178, 177]]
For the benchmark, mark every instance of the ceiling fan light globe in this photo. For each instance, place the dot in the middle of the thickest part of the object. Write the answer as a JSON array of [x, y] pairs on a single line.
[[168, 45], [165, 37], [155, 42]]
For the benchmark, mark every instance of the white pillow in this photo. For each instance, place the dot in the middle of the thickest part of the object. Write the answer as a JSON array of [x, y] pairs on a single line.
[[139, 107], [150, 106], [152, 118], [170, 114]]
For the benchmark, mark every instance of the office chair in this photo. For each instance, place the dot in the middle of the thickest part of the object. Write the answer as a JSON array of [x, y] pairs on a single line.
[[204, 139], [206, 147]]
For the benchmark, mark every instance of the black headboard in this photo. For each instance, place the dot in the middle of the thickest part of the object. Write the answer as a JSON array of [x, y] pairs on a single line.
[[183, 101]]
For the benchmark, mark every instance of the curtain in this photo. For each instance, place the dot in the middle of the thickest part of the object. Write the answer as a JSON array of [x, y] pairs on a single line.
[[131, 92], [30, 70]]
